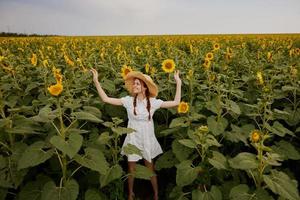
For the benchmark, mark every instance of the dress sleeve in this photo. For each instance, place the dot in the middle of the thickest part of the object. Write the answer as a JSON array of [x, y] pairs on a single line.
[[126, 101], [156, 103]]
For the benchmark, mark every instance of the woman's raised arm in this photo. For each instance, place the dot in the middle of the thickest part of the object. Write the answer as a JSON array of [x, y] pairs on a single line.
[[102, 94], [176, 101]]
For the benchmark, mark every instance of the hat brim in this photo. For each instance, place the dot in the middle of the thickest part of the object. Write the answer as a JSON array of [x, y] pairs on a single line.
[[129, 79]]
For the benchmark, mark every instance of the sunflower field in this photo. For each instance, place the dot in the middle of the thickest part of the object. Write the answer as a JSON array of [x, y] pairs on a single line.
[[235, 135]]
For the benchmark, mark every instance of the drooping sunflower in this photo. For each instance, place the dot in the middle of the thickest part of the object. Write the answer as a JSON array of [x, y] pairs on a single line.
[[33, 59], [183, 107], [269, 56], [147, 67], [68, 60], [168, 65], [293, 72], [125, 70], [56, 89], [209, 56], [138, 50], [255, 136], [259, 78], [206, 64]]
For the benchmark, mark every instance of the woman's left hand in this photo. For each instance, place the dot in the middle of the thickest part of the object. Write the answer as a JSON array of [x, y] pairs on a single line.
[[176, 77]]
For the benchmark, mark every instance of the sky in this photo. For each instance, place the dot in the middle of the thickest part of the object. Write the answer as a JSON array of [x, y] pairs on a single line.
[[149, 17]]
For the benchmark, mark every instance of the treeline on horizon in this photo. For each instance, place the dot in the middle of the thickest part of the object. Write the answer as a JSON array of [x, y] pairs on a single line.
[[8, 34]]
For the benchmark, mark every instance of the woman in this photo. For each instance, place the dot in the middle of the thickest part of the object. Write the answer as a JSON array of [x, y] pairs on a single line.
[[140, 107]]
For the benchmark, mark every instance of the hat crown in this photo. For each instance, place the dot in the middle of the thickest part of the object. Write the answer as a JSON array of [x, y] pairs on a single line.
[[153, 90]]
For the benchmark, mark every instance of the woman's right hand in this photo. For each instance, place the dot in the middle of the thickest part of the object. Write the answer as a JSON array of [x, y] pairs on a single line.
[[95, 74]]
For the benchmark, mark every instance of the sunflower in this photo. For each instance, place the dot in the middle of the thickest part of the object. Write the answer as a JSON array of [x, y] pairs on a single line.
[[147, 68], [68, 60], [183, 107], [209, 56], [45, 63], [33, 59], [1, 58], [269, 56], [203, 129], [125, 70], [255, 136], [56, 89], [206, 64], [259, 78], [138, 50], [153, 71], [190, 74], [216, 46], [168, 65], [293, 71]]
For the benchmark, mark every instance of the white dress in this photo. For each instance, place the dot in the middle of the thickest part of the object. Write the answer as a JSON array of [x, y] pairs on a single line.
[[143, 137]]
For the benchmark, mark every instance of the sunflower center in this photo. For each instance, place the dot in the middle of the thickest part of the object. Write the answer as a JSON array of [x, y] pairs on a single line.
[[168, 65]]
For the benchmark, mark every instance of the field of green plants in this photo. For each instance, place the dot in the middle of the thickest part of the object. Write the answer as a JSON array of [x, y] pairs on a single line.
[[235, 136]]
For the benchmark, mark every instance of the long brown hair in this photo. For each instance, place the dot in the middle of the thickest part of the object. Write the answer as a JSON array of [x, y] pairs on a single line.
[[148, 100]]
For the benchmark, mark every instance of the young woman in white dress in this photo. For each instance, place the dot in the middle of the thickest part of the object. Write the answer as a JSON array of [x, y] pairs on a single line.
[[140, 106]]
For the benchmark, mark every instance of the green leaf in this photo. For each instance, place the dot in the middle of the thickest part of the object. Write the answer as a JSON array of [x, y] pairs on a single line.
[[186, 174], [234, 107], [69, 147], [92, 110], [122, 130], [86, 116], [179, 122], [93, 159], [217, 127], [34, 155], [244, 161], [240, 192], [279, 129], [104, 138], [33, 189], [112, 174], [108, 85], [180, 151], [167, 160], [94, 194], [69, 192], [188, 143], [286, 149], [132, 149], [281, 184], [143, 172], [46, 115], [218, 160]]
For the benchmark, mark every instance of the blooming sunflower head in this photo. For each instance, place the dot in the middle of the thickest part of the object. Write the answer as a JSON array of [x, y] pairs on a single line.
[[56, 89], [125, 70], [168, 65], [216, 46], [183, 107], [255, 136], [209, 56]]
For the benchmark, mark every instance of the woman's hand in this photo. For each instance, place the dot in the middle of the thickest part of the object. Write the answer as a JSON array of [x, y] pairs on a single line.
[[95, 74], [176, 77]]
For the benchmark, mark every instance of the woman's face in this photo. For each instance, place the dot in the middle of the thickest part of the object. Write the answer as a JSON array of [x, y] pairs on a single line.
[[138, 86]]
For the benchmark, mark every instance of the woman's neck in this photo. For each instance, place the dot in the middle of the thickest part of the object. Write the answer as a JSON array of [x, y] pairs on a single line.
[[141, 96]]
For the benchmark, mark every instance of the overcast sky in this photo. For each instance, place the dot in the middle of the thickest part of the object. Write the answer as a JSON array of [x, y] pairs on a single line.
[[147, 17]]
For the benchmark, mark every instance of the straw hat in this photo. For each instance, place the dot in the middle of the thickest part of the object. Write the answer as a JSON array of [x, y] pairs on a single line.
[[129, 79]]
